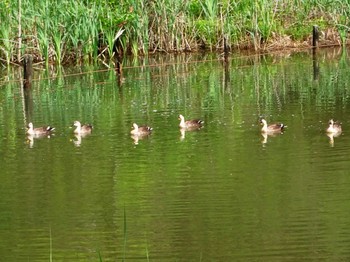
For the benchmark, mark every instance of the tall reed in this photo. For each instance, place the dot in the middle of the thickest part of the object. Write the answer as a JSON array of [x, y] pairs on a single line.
[[6, 46], [66, 31]]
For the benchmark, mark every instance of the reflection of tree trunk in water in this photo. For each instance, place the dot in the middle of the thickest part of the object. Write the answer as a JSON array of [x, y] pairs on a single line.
[[119, 74], [315, 65], [227, 89], [257, 89], [26, 92], [315, 37], [226, 76], [28, 104]]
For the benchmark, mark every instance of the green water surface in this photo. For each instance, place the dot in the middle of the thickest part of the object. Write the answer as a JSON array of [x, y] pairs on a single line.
[[223, 193]]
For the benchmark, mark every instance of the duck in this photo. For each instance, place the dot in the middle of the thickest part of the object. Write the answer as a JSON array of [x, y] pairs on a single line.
[[45, 130], [140, 130], [82, 129], [272, 128], [333, 128], [195, 123]]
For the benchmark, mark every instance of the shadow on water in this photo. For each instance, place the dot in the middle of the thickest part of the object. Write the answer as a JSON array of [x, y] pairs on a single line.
[[225, 192]]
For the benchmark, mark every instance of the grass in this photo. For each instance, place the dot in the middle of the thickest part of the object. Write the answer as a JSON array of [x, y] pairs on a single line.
[[74, 31]]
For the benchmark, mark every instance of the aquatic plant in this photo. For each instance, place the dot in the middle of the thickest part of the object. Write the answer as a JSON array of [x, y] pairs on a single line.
[[66, 31]]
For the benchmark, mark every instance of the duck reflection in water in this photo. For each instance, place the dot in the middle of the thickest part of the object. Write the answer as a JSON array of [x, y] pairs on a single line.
[[32, 137], [30, 141], [78, 138], [267, 135], [334, 130], [331, 138], [182, 133], [137, 138], [188, 129]]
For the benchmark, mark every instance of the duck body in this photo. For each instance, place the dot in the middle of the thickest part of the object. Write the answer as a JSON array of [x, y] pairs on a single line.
[[272, 128], [190, 124], [333, 128], [45, 130], [140, 130], [82, 129]]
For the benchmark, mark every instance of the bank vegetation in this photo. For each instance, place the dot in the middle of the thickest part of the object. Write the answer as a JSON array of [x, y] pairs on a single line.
[[65, 31]]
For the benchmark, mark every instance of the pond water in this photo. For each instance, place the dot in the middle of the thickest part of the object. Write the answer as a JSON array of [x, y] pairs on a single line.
[[222, 193]]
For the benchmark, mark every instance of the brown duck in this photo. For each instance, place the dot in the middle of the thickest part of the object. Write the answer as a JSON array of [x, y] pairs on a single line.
[[82, 129], [140, 130], [272, 128], [334, 128], [45, 130], [195, 123]]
